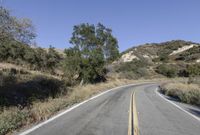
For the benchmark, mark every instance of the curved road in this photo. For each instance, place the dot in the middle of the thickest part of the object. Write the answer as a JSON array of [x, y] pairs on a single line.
[[109, 115]]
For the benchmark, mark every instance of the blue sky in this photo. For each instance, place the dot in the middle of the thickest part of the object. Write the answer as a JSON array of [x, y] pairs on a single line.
[[133, 22]]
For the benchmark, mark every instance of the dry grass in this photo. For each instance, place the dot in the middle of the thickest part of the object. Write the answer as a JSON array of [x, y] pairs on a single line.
[[21, 68], [187, 93], [12, 118]]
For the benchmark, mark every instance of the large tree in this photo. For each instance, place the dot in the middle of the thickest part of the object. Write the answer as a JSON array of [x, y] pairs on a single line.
[[12, 28], [93, 46]]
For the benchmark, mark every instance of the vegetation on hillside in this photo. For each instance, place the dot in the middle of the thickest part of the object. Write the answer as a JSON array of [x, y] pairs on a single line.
[[133, 70], [27, 97], [32, 58], [160, 61], [16, 36], [190, 55], [15, 29]]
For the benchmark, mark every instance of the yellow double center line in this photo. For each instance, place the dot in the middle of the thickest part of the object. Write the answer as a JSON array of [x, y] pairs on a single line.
[[133, 126]]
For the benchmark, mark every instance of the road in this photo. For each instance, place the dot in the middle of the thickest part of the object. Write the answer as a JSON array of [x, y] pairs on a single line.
[[109, 114]]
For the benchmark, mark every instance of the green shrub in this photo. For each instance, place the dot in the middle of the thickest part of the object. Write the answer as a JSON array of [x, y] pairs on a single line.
[[190, 97], [133, 70], [191, 54], [10, 120], [194, 97], [167, 70], [193, 70], [131, 66]]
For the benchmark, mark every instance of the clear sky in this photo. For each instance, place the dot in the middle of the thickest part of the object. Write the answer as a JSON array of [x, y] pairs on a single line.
[[133, 22]]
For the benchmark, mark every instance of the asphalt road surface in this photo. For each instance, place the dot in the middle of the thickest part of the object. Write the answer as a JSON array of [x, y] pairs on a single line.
[[109, 115]]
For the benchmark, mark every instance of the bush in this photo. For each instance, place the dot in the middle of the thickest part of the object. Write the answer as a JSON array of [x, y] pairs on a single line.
[[193, 70], [164, 58], [7, 79], [10, 120], [190, 55], [183, 73], [194, 80], [133, 70], [35, 58], [187, 93], [167, 70], [131, 66]]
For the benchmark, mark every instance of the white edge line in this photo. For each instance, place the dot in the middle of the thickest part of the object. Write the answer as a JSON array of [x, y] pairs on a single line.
[[197, 118], [73, 107]]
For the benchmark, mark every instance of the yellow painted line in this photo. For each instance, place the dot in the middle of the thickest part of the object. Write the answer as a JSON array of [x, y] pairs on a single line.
[[130, 123], [133, 126], [135, 117]]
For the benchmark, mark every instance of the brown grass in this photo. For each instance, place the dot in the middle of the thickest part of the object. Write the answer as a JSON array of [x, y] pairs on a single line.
[[187, 93]]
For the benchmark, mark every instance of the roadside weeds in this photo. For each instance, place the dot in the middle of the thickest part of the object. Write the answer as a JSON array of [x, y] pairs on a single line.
[[186, 93]]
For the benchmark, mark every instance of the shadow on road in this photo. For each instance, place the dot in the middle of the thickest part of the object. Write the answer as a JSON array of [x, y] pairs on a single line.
[[195, 112]]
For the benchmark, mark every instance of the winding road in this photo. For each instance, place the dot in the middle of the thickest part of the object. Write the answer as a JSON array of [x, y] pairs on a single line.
[[120, 112]]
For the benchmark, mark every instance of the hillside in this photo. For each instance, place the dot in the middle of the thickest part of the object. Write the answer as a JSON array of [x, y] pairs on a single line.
[[175, 58], [175, 50]]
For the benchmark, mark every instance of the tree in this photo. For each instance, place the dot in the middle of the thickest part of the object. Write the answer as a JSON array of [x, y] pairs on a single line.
[[30, 56], [93, 46], [12, 28], [24, 30], [6, 23], [85, 39]]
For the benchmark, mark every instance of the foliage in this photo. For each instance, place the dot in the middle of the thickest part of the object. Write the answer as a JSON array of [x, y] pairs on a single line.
[[53, 58], [168, 47], [72, 65], [167, 70], [193, 70], [11, 120], [164, 57], [12, 28], [15, 35], [93, 47], [191, 54], [133, 70], [187, 93], [37, 58]]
